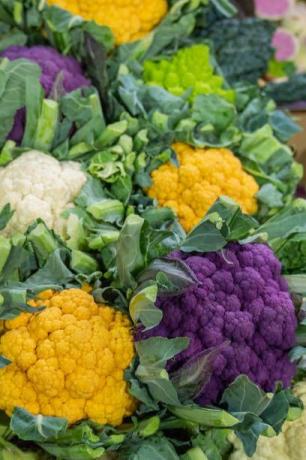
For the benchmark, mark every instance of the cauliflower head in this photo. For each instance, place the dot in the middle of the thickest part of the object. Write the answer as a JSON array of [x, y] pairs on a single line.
[[129, 19], [288, 445], [54, 66], [202, 177], [242, 306], [68, 360], [38, 186], [189, 68]]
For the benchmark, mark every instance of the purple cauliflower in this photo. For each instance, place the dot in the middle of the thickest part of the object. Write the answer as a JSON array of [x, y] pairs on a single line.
[[53, 66], [241, 305]]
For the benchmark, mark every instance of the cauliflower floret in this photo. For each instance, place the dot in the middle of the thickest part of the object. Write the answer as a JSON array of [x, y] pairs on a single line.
[[201, 178], [242, 306], [129, 20], [37, 185], [288, 445], [68, 360]]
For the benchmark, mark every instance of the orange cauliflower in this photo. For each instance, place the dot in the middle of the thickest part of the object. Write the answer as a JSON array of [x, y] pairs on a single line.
[[128, 19], [201, 178], [68, 360]]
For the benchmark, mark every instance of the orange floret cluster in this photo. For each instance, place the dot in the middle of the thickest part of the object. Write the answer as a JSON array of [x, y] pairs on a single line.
[[68, 360], [128, 19], [202, 177]]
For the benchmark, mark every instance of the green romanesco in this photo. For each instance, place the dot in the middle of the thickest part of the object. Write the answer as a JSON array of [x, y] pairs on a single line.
[[189, 69]]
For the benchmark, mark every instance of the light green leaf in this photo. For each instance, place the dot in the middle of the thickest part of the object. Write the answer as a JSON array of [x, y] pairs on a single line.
[[36, 428], [216, 418]]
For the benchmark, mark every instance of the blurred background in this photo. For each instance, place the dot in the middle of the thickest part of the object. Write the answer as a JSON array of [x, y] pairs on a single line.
[[284, 69]]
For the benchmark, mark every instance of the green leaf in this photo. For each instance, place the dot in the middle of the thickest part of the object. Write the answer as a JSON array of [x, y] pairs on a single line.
[[214, 111], [77, 452], [163, 391], [192, 377], [43, 241], [92, 192], [5, 249], [196, 453], [13, 78], [129, 256], [177, 276], [214, 443], [149, 426], [54, 272], [249, 431], [4, 362], [224, 222], [36, 428], [270, 196], [276, 413], [107, 210], [297, 283], [142, 307], [289, 221], [6, 214], [244, 396], [283, 125], [155, 448], [156, 351], [205, 237], [203, 416]]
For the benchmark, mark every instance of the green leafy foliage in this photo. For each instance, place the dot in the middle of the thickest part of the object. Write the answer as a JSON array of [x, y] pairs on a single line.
[[258, 413], [288, 91]]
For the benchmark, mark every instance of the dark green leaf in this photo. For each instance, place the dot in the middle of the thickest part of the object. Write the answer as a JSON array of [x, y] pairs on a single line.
[[156, 351], [155, 448], [129, 255], [178, 276], [5, 215], [249, 431], [54, 272], [204, 238], [244, 396], [192, 377], [4, 362]]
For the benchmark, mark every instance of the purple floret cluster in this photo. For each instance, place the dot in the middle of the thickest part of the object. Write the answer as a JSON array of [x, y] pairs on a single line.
[[241, 305], [53, 66]]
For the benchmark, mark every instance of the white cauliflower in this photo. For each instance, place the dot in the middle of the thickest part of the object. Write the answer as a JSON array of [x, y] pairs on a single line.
[[38, 186], [289, 445]]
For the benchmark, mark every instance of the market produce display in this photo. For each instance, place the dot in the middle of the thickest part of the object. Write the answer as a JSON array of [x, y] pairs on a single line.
[[152, 248]]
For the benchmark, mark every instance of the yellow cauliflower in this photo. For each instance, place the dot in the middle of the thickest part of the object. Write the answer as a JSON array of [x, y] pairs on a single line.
[[289, 445], [202, 177], [68, 360], [128, 19]]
